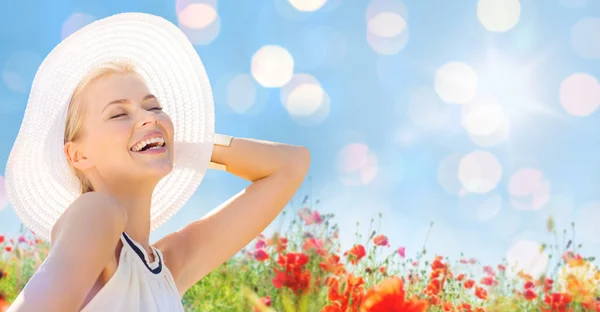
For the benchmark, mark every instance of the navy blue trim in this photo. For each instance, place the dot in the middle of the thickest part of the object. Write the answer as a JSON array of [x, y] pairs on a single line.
[[158, 269]]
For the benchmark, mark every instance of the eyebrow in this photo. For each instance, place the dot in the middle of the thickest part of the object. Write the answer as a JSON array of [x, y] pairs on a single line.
[[124, 101]]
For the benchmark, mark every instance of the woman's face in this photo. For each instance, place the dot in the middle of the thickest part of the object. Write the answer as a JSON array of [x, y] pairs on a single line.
[[125, 136]]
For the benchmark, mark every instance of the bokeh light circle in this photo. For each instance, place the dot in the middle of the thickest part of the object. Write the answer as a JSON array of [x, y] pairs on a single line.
[[199, 20], [357, 165], [305, 100], [377, 7], [307, 5], [387, 46], [486, 122], [497, 137], [197, 15], [180, 5], [456, 83], [74, 23], [499, 15], [386, 25], [241, 93], [528, 189], [272, 66], [580, 94], [484, 119], [19, 70], [387, 31], [296, 80], [480, 207], [584, 37], [479, 172], [447, 174]]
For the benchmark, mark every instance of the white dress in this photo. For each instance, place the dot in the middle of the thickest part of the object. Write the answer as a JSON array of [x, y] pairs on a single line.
[[137, 284]]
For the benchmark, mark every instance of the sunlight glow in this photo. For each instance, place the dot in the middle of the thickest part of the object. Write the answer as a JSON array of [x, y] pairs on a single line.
[[485, 119]]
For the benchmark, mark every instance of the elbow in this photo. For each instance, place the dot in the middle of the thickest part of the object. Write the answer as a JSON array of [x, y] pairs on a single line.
[[304, 155], [299, 162]]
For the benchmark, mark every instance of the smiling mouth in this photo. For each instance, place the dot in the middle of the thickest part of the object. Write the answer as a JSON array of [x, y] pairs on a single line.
[[148, 144]]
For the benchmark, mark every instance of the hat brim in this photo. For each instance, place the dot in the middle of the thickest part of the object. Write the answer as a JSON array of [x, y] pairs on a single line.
[[39, 182]]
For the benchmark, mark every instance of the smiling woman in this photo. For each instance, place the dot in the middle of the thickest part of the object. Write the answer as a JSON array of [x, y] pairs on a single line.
[[123, 78], [126, 139]]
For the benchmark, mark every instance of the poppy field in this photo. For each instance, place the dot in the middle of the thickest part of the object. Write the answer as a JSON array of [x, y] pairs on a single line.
[[305, 269]]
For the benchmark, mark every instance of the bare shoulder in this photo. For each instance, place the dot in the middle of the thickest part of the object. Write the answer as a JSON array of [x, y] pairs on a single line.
[[82, 244], [87, 208]]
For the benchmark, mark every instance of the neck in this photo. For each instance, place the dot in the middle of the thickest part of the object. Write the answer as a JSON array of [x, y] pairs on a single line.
[[137, 202]]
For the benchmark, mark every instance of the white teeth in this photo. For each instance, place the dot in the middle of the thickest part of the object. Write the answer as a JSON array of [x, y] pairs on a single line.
[[140, 145]]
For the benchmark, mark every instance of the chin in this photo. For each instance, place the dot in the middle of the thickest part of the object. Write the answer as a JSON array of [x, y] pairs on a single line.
[[158, 171]]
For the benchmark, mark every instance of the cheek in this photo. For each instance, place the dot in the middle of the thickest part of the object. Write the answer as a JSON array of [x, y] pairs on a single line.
[[111, 142]]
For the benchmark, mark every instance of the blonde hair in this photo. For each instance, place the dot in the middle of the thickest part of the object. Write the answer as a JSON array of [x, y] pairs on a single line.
[[76, 111]]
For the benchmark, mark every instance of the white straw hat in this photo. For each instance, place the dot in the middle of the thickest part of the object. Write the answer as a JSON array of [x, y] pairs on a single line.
[[39, 182]]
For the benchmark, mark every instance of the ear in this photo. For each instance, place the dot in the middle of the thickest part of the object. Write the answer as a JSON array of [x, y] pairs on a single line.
[[76, 157]]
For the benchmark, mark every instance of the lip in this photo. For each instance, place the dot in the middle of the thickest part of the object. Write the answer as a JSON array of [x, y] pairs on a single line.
[[150, 135], [152, 151]]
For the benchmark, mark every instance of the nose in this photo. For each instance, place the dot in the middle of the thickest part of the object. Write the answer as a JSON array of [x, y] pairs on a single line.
[[147, 118]]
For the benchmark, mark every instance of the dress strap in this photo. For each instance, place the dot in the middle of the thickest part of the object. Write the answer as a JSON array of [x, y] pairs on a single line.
[[139, 250]]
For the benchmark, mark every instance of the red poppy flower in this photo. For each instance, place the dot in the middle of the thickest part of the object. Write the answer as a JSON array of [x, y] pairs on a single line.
[[381, 240], [356, 253], [389, 295]]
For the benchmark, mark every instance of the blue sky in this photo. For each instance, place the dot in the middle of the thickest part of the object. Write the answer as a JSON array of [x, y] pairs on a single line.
[[393, 147]]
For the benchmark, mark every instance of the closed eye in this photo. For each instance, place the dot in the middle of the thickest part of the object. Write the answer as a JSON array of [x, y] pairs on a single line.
[[123, 114], [116, 116]]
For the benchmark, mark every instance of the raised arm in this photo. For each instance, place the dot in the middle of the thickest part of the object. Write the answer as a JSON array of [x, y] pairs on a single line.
[[276, 171], [83, 240]]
